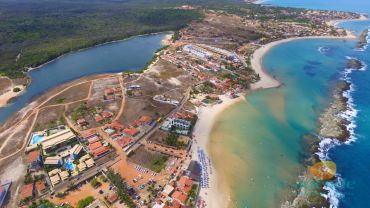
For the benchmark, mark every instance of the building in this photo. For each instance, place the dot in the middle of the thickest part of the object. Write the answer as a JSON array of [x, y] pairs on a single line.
[[113, 197], [57, 140], [198, 52], [75, 151], [53, 161], [40, 187], [179, 197], [181, 124], [131, 131], [4, 190], [124, 141], [34, 160], [27, 191], [82, 122]]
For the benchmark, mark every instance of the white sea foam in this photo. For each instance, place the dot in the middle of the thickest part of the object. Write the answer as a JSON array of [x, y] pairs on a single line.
[[367, 40], [333, 195], [323, 49]]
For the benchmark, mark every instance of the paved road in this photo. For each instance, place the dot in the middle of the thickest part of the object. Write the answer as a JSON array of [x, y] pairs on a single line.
[[85, 175]]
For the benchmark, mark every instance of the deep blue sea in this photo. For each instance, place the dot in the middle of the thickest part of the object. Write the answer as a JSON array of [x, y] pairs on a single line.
[[353, 158], [130, 54]]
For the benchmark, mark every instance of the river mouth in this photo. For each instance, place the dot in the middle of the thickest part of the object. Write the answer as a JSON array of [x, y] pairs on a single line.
[[256, 145], [125, 55]]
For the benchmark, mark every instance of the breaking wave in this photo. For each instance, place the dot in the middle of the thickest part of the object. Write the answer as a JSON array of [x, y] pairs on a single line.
[[333, 194]]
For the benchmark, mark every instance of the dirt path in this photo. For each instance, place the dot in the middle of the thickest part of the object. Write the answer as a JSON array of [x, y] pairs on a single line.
[[35, 112]]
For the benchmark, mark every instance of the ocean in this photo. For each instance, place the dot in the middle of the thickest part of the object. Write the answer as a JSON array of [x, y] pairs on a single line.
[[257, 145]]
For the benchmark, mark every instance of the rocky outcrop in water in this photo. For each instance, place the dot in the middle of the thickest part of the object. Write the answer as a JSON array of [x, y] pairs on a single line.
[[332, 125], [354, 64], [362, 39]]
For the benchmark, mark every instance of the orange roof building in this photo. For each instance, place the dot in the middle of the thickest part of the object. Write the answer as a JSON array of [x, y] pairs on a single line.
[[124, 141], [99, 151], [131, 131], [98, 118], [116, 125], [113, 197], [33, 156], [95, 145], [185, 181], [179, 196], [88, 133], [145, 120], [27, 191], [40, 187], [107, 114]]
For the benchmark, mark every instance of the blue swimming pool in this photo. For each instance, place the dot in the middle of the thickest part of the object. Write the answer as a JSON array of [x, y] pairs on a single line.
[[69, 165], [36, 138]]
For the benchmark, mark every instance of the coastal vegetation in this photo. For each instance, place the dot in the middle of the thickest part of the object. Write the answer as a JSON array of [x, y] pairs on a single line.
[[159, 163], [85, 202], [119, 183], [34, 32]]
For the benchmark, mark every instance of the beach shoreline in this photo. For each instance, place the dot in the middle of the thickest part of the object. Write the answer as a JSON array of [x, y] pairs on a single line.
[[208, 115], [216, 196]]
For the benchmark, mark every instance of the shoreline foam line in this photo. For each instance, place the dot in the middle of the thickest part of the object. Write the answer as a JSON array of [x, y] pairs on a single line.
[[327, 144]]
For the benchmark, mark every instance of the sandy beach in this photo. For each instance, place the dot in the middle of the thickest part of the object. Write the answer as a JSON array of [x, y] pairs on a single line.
[[335, 23], [4, 98], [266, 80], [212, 196], [216, 195]]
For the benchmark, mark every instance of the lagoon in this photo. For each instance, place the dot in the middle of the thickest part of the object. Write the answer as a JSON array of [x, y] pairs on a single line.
[[130, 54]]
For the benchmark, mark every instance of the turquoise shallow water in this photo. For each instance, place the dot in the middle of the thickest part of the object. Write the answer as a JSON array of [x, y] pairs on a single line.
[[262, 137], [264, 134]]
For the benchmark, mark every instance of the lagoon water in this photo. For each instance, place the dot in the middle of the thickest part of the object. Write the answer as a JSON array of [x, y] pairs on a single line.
[[130, 54], [256, 145]]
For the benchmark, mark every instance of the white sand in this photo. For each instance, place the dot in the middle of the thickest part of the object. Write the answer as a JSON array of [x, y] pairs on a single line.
[[267, 81], [4, 98], [335, 23], [215, 196]]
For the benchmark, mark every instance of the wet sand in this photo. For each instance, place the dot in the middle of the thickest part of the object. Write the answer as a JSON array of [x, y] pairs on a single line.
[[216, 195]]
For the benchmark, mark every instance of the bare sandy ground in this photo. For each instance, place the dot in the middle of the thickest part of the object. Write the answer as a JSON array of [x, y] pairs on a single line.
[[4, 98], [216, 196]]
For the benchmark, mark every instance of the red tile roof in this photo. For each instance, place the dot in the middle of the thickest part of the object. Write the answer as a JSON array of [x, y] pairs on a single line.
[[131, 131], [179, 196], [116, 125], [95, 145], [26, 191], [101, 150], [185, 181], [98, 118], [81, 122], [124, 141], [40, 186], [145, 119], [176, 204], [113, 197], [107, 114], [93, 139], [33, 156], [88, 133]]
